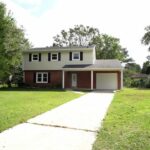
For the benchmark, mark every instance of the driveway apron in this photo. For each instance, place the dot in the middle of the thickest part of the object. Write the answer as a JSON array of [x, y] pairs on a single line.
[[71, 126]]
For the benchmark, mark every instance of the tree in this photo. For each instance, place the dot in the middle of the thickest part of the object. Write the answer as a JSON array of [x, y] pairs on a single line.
[[133, 67], [107, 47], [12, 43], [146, 67], [78, 36], [146, 37], [129, 70]]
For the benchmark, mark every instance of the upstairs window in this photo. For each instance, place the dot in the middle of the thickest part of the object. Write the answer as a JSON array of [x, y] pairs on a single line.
[[76, 56], [41, 77], [35, 57], [54, 56]]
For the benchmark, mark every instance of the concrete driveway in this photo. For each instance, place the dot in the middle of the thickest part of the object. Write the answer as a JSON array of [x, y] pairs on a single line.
[[72, 126]]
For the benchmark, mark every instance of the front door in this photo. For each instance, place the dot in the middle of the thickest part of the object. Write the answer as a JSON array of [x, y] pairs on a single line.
[[74, 80]]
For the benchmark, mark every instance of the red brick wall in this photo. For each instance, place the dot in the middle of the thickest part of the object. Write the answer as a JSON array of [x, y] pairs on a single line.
[[68, 79], [28, 77], [118, 77], [55, 78], [83, 79]]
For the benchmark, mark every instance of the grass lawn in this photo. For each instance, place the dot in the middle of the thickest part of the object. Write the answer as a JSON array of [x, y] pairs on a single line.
[[17, 106], [127, 123]]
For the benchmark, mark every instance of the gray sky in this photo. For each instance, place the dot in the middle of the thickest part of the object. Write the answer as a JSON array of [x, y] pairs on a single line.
[[124, 19]]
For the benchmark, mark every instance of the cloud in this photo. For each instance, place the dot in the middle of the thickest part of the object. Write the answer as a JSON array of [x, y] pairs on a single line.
[[28, 2], [35, 7]]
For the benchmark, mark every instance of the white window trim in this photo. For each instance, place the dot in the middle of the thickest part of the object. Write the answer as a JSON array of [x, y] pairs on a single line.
[[52, 57], [75, 53], [37, 56], [41, 77]]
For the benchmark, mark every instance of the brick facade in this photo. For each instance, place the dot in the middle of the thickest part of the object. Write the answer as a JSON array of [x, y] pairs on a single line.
[[54, 81], [83, 79]]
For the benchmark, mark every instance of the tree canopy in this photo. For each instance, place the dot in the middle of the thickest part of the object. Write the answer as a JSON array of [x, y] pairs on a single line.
[[12, 43], [78, 36], [146, 67], [133, 67], [107, 47], [129, 70], [146, 41], [146, 37]]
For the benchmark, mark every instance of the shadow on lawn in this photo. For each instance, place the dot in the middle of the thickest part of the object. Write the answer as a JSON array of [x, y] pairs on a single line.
[[31, 89], [44, 89], [148, 89]]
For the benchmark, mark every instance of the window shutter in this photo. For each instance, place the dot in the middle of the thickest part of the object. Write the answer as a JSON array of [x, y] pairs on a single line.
[[59, 56], [39, 56], [49, 56], [81, 55], [70, 56], [34, 77], [30, 55], [49, 77]]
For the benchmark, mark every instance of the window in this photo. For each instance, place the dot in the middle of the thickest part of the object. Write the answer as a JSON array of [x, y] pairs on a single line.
[[35, 57], [76, 56], [54, 56], [41, 77]]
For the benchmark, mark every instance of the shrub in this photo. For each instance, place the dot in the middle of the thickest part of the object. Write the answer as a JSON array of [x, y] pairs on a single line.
[[147, 83]]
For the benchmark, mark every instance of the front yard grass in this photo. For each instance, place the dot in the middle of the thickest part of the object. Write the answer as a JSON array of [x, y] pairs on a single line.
[[17, 106], [127, 123]]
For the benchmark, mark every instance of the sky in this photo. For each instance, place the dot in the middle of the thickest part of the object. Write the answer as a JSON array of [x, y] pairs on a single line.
[[123, 19]]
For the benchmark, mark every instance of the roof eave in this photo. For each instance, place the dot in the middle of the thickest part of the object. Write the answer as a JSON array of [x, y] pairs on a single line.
[[51, 49], [92, 69]]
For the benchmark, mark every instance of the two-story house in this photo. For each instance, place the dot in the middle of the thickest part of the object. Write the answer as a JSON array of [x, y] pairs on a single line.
[[71, 67]]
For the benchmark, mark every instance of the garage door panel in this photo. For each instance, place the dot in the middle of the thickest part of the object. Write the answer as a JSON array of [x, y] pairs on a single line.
[[106, 81]]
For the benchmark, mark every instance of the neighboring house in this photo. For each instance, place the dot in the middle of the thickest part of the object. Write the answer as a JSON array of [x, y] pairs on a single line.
[[71, 67], [139, 76]]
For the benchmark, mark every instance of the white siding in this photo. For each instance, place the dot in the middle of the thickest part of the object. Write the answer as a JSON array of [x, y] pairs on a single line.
[[44, 64]]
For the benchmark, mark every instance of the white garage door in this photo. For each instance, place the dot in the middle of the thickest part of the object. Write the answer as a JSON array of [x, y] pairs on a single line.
[[106, 81]]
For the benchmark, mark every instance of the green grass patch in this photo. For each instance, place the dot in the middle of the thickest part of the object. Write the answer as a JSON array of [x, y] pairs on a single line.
[[18, 105], [127, 123]]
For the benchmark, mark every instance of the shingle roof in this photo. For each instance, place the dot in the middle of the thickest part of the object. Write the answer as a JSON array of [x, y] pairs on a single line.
[[139, 76], [77, 66], [56, 48], [107, 63], [99, 64]]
